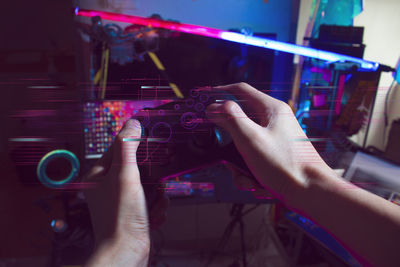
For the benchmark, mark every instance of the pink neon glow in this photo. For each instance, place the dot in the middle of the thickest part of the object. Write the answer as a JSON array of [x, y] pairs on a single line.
[[188, 28]]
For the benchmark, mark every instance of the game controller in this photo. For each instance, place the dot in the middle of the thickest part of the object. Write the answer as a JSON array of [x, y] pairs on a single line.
[[178, 136], [182, 122]]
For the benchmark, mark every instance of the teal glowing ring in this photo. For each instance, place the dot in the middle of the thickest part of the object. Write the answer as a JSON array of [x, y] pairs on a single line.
[[59, 153]]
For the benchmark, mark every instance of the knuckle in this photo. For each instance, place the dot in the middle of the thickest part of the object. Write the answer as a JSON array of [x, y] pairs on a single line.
[[119, 140], [243, 84], [282, 107], [228, 105], [229, 109], [120, 137]]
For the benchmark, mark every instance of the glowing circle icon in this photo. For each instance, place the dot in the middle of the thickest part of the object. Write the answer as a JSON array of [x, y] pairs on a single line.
[[194, 92], [189, 120], [189, 103], [161, 132], [44, 162], [199, 107], [204, 98]]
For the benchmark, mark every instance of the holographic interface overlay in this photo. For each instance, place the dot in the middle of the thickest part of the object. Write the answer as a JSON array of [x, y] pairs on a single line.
[[59, 153]]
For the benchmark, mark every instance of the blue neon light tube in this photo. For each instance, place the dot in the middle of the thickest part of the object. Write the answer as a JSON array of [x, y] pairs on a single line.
[[298, 50]]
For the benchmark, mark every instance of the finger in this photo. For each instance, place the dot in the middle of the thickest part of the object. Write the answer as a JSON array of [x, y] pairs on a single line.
[[257, 104], [124, 157], [126, 144], [231, 117], [132, 198]]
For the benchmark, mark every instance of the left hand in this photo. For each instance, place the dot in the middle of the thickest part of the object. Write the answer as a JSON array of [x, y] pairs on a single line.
[[117, 204]]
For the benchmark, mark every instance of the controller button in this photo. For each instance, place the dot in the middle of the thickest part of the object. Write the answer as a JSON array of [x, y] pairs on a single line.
[[143, 117], [199, 107], [204, 98], [189, 120], [189, 103], [161, 132], [194, 92]]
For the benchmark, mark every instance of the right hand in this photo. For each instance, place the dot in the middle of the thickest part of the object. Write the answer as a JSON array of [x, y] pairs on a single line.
[[270, 140]]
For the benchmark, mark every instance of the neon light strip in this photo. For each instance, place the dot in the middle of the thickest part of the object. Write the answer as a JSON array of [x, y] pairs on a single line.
[[145, 139], [28, 139], [231, 36], [155, 87], [297, 49], [44, 87], [94, 156], [155, 23]]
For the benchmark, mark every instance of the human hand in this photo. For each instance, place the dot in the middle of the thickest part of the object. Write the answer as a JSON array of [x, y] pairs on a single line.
[[284, 161], [270, 140], [117, 204]]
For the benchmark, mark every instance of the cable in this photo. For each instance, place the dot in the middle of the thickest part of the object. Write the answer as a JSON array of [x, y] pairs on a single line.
[[250, 209], [386, 110], [104, 84], [161, 69], [241, 224], [237, 214], [101, 75], [386, 103]]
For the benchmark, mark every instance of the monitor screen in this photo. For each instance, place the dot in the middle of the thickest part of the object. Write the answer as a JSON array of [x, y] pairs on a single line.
[[104, 119]]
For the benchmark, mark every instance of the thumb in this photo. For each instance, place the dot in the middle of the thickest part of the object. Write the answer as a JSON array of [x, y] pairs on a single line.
[[127, 142], [132, 202], [230, 116], [125, 163]]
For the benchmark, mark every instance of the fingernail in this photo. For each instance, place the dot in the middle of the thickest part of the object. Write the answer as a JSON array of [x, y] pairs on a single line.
[[214, 108], [132, 124]]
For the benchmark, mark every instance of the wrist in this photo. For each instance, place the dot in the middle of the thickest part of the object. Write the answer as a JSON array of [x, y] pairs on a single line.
[[314, 176], [121, 253]]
